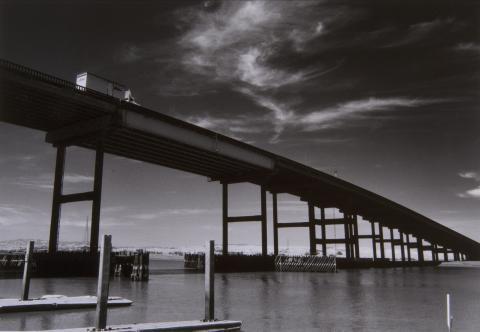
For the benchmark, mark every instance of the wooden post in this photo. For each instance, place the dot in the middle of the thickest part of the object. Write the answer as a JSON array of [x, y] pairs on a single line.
[[263, 195], [56, 202], [382, 244], [97, 198], [311, 227], [392, 244], [435, 253], [409, 256], [209, 281], [103, 283], [357, 244], [445, 254], [374, 241], [324, 231], [402, 246], [275, 224], [225, 219], [449, 316], [26, 271]]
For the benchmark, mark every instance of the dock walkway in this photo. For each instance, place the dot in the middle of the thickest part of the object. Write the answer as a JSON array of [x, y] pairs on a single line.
[[56, 302], [194, 325]]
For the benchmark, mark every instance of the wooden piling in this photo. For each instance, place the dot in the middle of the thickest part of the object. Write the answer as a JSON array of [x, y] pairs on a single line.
[[209, 281], [26, 271], [103, 283]]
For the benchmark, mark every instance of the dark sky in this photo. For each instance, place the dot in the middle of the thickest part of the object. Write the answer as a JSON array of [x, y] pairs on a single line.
[[386, 93]]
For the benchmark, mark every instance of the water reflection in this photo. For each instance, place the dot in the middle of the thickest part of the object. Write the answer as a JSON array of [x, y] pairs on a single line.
[[358, 300]]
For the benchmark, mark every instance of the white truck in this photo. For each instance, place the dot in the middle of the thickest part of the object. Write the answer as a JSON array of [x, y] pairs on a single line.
[[100, 84]]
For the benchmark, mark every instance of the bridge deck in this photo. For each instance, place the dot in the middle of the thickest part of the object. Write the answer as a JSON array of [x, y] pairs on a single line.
[[73, 115]]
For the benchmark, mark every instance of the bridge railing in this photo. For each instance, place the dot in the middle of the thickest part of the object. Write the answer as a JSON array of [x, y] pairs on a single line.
[[39, 76]]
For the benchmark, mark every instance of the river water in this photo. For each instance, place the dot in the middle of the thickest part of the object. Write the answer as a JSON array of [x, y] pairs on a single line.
[[401, 299]]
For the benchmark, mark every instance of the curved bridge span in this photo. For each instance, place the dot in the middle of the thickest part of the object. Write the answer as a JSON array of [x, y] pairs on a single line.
[[74, 115]]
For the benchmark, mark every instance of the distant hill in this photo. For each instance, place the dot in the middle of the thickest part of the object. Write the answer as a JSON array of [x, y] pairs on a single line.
[[20, 244], [40, 245]]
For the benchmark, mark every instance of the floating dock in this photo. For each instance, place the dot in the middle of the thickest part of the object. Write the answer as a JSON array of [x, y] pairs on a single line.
[[194, 325], [57, 302]]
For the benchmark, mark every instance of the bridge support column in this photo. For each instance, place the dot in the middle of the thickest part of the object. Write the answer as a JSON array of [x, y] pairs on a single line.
[[324, 231], [58, 198], [402, 246], [355, 239], [275, 223], [432, 251], [226, 219], [382, 244], [264, 220], [351, 237], [56, 203], [97, 198], [420, 249], [311, 228], [409, 255], [392, 244], [346, 225], [374, 241]]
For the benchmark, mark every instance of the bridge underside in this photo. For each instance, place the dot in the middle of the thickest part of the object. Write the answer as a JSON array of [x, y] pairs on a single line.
[[72, 115]]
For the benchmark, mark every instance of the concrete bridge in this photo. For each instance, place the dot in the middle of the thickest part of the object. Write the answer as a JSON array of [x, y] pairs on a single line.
[[74, 115]]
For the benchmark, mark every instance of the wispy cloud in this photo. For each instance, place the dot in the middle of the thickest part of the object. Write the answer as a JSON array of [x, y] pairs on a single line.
[[14, 214], [169, 212], [469, 175], [45, 180], [237, 43], [332, 116], [238, 128], [420, 31], [468, 47], [471, 193], [77, 178]]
